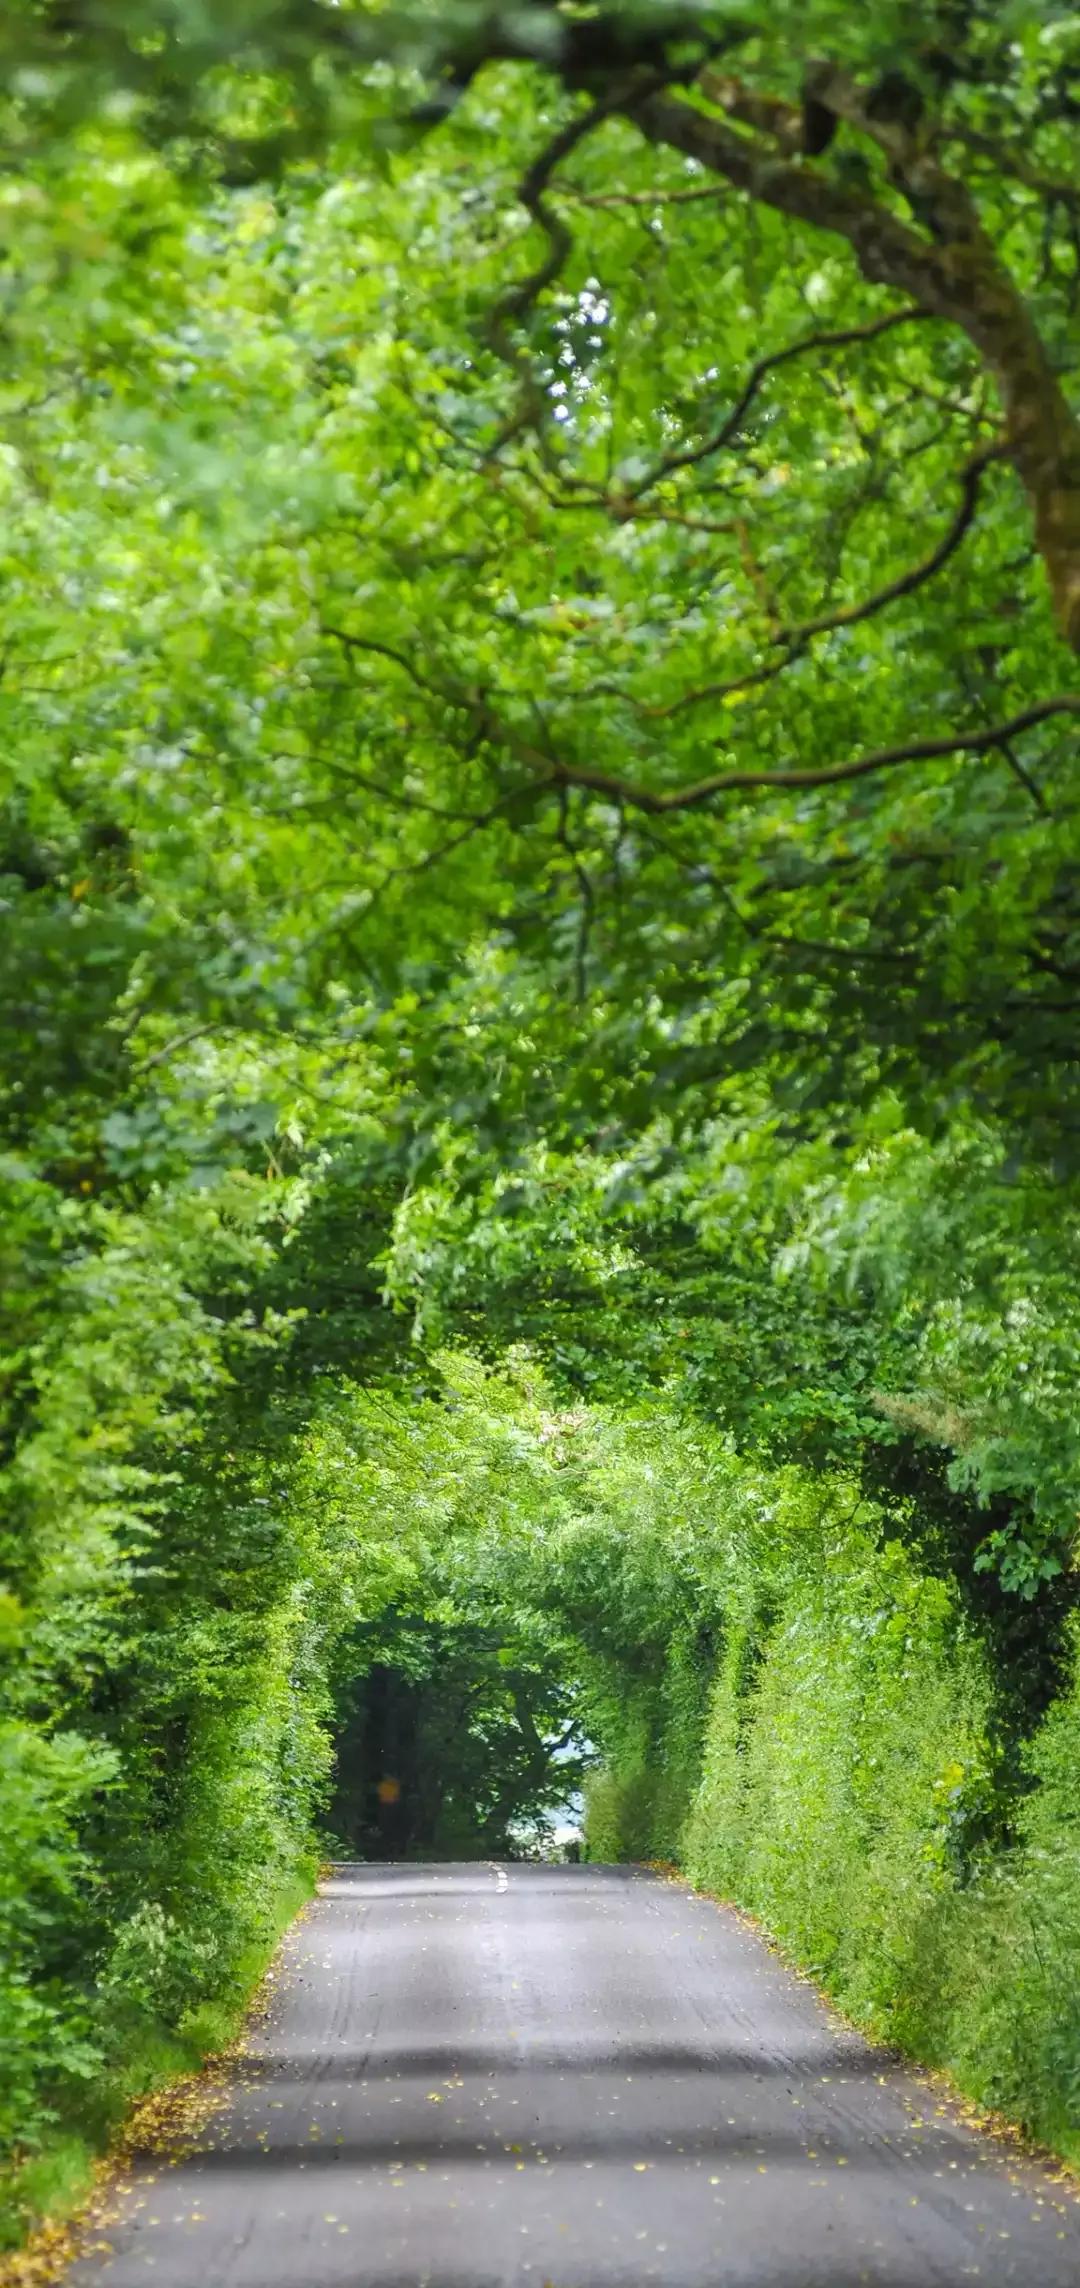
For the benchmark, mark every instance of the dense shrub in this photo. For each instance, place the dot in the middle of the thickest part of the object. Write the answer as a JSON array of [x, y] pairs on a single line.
[[44, 1784], [855, 1789], [183, 1698]]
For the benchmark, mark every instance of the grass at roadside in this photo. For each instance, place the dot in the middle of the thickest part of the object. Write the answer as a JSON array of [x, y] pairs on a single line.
[[139, 2088]]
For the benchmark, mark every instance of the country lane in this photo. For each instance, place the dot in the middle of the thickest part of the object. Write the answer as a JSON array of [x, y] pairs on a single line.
[[546, 2075]]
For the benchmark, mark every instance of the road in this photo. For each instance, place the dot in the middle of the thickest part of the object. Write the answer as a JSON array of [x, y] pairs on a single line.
[[471, 2075]]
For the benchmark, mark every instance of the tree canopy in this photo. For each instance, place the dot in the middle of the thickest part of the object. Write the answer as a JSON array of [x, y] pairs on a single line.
[[541, 588]]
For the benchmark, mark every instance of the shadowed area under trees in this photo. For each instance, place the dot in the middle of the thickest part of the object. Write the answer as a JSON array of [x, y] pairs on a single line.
[[540, 922]]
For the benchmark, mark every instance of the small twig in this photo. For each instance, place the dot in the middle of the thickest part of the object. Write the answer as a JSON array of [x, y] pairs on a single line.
[[640, 198], [383, 650], [182, 1041]]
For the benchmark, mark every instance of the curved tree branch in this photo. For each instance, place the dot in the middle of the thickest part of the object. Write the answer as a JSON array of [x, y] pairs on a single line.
[[840, 338], [659, 801], [794, 636], [849, 615]]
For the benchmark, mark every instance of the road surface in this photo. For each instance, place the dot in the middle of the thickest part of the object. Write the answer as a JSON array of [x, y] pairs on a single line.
[[472, 2075]]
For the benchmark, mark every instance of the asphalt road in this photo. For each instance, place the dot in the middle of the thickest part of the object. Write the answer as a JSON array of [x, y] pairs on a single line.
[[472, 2075]]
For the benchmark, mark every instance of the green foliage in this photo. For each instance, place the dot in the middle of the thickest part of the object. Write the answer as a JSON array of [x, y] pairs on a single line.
[[855, 1783], [458, 1741], [55, 2173], [249, 1574], [539, 696], [44, 1784]]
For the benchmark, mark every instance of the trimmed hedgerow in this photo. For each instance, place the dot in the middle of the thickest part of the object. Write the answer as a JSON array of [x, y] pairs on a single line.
[[854, 1784]]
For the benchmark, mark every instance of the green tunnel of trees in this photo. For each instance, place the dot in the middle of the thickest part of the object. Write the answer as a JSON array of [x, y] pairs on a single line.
[[539, 939]]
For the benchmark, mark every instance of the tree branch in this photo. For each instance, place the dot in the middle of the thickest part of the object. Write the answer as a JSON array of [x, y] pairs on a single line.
[[954, 273], [659, 801], [526, 291], [387, 651], [657, 198], [849, 615], [841, 338], [794, 636]]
